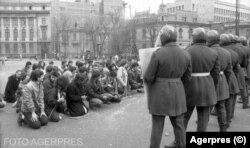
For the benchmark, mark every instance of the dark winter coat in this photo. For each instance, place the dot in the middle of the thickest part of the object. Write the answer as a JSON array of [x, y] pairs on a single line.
[[11, 87], [233, 83], [201, 90], [222, 88], [74, 100], [94, 89], [169, 67]]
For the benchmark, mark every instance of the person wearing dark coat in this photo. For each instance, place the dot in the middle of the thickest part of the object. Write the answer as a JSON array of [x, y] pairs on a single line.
[[12, 86], [233, 83], [242, 65], [242, 42], [56, 99], [48, 70], [76, 96], [200, 91], [222, 88], [95, 92], [49, 83], [26, 70], [166, 94], [133, 77]]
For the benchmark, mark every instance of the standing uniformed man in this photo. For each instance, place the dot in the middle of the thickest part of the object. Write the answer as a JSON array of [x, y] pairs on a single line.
[[222, 88], [242, 65], [205, 74], [166, 96], [243, 43], [233, 83]]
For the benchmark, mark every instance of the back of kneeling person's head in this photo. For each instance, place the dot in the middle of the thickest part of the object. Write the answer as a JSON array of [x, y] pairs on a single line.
[[81, 79], [62, 83]]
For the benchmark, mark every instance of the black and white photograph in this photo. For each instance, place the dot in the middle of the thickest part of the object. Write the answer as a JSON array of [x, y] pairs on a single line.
[[124, 73]]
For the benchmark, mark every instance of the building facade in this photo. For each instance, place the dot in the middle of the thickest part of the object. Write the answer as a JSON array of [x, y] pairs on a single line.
[[207, 11], [76, 40], [145, 38], [32, 27], [25, 28]]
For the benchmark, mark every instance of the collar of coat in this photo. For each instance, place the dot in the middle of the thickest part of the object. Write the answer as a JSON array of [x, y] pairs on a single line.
[[213, 45], [201, 44], [170, 44]]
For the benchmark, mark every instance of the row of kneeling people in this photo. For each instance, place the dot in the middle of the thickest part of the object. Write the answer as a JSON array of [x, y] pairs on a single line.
[[40, 97], [209, 73]]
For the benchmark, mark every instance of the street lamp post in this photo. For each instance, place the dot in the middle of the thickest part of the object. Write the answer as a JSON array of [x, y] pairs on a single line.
[[237, 18]]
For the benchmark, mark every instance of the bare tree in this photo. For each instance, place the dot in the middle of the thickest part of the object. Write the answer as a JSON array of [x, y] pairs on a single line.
[[61, 24], [151, 28]]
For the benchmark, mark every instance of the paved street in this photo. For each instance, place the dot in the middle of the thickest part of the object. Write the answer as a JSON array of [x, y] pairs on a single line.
[[123, 125]]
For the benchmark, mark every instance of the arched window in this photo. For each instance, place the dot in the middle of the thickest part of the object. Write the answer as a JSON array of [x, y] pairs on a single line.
[[7, 34], [31, 34], [23, 34], [15, 34], [180, 33]]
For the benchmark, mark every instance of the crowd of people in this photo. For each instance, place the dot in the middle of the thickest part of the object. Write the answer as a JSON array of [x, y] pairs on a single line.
[[207, 75], [43, 93]]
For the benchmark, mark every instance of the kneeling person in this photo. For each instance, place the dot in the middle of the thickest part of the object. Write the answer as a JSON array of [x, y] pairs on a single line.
[[56, 102], [76, 96]]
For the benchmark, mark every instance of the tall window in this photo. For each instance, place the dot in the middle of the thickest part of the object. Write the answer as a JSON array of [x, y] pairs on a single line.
[[43, 21], [7, 48], [43, 7], [31, 47], [74, 36], [180, 33], [144, 33], [15, 22], [23, 34], [31, 22], [23, 48], [193, 7], [7, 34], [184, 19], [44, 33], [15, 48], [190, 32], [30, 7], [6, 22], [65, 38], [1, 48], [195, 20], [23, 22], [15, 34], [31, 34]]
